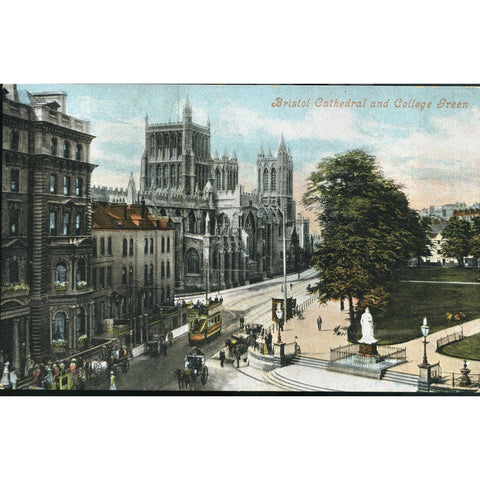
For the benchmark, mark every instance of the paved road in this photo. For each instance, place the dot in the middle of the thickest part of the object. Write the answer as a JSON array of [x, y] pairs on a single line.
[[149, 373]]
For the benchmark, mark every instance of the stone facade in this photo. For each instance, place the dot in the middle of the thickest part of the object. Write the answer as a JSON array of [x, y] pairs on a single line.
[[133, 271], [46, 228]]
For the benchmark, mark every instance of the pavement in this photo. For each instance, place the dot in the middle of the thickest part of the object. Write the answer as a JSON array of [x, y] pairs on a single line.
[[316, 344]]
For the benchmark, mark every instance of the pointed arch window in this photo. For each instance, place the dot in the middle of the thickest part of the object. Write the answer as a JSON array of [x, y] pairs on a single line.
[[191, 222], [274, 180], [265, 179], [218, 179], [192, 262]]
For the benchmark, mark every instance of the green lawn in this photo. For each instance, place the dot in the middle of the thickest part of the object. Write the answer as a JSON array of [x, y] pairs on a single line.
[[441, 274], [468, 348], [411, 302]]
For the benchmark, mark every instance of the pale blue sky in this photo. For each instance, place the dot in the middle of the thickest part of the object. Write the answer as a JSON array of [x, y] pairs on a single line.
[[434, 153]]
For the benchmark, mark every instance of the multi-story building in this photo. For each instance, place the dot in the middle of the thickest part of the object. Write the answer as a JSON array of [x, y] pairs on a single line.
[[132, 271], [46, 303]]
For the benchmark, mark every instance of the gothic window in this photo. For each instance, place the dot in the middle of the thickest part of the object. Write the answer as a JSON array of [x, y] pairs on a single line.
[[172, 176], [109, 277], [60, 273], [14, 180], [66, 149], [163, 244], [168, 244], [13, 272], [145, 249], [168, 269], [151, 274], [145, 275], [102, 247], [192, 262], [124, 276], [109, 247], [53, 146], [191, 222], [265, 179], [53, 183], [168, 293], [203, 223], [163, 270], [131, 247], [274, 180], [66, 185], [58, 328], [78, 152], [94, 278], [66, 223], [130, 275], [218, 179], [13, 220], [53, 223], [14, 140], [163, 212], [151, 246], [124, 247]]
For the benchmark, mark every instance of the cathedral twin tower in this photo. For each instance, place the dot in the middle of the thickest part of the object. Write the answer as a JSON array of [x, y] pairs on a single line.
[[178, 159]]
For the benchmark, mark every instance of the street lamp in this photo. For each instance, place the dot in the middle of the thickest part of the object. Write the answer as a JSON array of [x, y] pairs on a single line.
[[425, 330]]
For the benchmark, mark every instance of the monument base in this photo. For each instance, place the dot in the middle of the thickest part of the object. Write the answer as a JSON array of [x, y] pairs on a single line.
[[368, 350]]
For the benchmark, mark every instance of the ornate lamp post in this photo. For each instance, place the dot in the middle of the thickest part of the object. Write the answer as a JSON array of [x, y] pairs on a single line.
[[425, 330], [425, 367]]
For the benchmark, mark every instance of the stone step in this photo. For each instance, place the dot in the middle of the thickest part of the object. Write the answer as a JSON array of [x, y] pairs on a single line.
[[310, 362], [400, 377], [278, 379]]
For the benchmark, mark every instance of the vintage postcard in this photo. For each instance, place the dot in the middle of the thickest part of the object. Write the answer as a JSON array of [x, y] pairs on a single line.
[[230, 239]]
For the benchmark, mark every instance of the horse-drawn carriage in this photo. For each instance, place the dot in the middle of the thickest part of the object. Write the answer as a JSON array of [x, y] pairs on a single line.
[[112, 359], [195, 363], [156, 345]]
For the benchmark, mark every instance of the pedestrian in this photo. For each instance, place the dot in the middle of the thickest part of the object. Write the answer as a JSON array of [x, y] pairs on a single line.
[[342, 304], [242, 322], [319, 322], [13, 378], [6, 376], [113, 386], [237, 358], [222, 358], [170, 338]]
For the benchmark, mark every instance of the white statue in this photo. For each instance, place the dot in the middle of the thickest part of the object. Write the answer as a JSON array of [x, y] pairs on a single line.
[[367, 328]]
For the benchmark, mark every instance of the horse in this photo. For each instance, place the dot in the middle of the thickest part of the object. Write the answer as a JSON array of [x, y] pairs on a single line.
[[178, 375], [97, 368]]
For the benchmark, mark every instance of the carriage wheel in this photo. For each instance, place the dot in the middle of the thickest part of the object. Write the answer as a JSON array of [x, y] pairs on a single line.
[[125, 366], [204, 376]]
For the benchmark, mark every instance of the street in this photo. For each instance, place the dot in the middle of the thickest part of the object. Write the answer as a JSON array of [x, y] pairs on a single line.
[[153, 373]]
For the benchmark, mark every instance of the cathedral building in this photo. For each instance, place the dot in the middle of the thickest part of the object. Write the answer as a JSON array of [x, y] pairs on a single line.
[[225, 237]]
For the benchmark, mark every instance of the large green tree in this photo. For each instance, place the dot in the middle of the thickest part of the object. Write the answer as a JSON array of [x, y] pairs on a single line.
[[368, 230], [458, 234]]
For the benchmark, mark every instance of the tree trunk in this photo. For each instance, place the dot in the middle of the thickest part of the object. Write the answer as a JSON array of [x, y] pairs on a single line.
[[351, 311]]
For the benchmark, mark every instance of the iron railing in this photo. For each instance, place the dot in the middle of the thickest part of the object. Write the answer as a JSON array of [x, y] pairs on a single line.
[[452, 337]]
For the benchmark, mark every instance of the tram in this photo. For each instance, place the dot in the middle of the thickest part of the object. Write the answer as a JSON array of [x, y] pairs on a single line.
[[204, 321]]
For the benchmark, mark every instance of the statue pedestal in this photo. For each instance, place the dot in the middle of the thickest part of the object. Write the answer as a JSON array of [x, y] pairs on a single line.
[[368, 353], [367, 350]]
